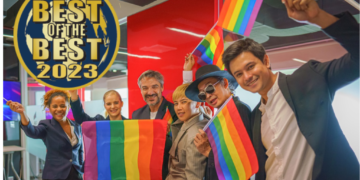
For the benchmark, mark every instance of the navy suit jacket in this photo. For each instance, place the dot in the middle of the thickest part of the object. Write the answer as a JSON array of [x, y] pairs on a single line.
[[60, 154], [144, 113], [309, 91], [80, 116]]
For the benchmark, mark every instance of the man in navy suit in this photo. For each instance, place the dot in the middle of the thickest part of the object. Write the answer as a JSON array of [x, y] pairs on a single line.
[[295, 132], [151, 84]]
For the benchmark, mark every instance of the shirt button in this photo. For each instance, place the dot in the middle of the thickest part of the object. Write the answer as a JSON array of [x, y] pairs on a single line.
[[70, 160]]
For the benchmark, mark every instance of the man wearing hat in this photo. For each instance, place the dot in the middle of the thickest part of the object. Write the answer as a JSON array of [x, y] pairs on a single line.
[[214, 87]]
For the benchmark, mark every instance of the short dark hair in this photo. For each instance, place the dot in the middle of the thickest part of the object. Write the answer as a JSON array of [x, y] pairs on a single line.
[[241, 46]]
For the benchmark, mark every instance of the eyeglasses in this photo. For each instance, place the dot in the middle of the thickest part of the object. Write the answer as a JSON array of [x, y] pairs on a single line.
[[210, 88]]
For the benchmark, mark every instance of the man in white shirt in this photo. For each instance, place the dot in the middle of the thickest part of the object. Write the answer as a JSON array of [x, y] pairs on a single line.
[[295, 132]]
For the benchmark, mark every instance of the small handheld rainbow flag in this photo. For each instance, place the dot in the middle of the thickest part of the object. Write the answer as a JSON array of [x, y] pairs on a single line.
[[239, 15], [210, 49], [234, 153], [168, 118], [127, 150]]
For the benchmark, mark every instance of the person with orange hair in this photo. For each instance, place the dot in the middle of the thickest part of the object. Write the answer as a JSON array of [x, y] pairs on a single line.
[[112, 103], [62, 137]]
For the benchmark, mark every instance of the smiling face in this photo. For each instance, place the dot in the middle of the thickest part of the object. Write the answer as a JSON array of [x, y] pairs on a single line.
[[251, 73], [59, 108], [221, 93], [113, 104], [185, 108], [151, 90]]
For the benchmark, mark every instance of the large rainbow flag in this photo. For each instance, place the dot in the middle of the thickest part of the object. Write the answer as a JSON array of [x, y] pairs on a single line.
[[234, 153], [124, 150], [210, 49], [239, 15]]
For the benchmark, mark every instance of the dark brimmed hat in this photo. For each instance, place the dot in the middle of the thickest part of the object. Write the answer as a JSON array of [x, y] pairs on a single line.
[[204, 72]]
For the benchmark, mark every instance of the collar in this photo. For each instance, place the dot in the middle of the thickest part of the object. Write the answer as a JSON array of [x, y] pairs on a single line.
[[122, 117], [190, 122], [270, 94]]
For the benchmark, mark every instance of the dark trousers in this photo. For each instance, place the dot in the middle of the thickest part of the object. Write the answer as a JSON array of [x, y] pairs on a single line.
[[73, 175]]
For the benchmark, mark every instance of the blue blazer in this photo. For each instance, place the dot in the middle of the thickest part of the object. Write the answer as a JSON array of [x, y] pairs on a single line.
[[60, 154]]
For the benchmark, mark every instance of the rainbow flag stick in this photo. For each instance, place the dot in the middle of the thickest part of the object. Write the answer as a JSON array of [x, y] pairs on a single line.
[[234, 153]]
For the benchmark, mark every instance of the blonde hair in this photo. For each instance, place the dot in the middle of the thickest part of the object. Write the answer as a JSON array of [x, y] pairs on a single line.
[[111, 92], [53, 93], [180, 92]]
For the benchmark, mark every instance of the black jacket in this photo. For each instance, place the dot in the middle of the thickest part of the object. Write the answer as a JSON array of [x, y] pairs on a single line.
[[309, 91], [144, 113]]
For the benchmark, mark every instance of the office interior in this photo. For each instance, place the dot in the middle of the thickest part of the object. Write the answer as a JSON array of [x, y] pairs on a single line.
[[157, 34]]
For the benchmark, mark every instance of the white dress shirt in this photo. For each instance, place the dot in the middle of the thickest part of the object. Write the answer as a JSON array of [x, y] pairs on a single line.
[[153, 115], [290, 157], [187, 77]]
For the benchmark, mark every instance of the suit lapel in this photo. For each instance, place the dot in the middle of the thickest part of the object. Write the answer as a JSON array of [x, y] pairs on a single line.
[[257, 130], [285, 91], [257, 142], [146, 113], [59, 129], [162, 109], [182, 132], [76, 131]]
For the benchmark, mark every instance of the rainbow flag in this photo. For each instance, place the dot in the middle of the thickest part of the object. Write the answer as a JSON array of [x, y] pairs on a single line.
[[168, 118], [234, 153], [210, 49], [239, 15], [126, 150]]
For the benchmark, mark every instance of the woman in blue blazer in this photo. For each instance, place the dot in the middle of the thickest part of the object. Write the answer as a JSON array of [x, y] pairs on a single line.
[[62, 137]]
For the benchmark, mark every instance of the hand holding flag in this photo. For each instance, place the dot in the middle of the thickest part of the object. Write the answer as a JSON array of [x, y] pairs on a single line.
[[234, 153]]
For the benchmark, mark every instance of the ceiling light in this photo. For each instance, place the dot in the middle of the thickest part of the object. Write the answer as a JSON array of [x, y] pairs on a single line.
[[299, 60], [139, 56], [187, 32], [114, 70], [123, 21]]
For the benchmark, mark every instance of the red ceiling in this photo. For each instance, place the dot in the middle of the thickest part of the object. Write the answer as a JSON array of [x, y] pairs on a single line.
[[148, 34]]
